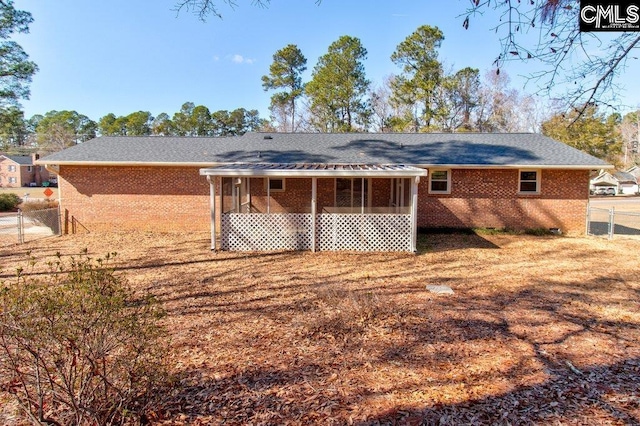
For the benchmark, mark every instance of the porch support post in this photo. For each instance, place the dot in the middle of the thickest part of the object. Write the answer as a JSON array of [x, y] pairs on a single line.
[[314, 192], [248, 184], [212, 207], [414, 213], [362, 196]]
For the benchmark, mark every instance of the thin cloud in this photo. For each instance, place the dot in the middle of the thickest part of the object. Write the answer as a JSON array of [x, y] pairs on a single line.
[[239, 59]]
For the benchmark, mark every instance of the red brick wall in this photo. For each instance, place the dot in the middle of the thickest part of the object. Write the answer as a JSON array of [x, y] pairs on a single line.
[[177, 199], [6, 175], [23, 176], [295, 199], [141, 198], [297, 195], [489, 198]]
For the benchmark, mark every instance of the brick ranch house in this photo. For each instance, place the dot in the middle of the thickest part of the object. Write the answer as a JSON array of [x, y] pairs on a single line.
[[265, 191]]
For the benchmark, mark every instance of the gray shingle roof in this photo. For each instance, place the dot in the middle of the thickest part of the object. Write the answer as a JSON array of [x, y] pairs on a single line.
[[624, 177], [423, 149], [24, 160]]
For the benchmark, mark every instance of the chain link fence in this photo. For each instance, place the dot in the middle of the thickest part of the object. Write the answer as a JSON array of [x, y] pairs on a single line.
[[611, 222], [22, 227]]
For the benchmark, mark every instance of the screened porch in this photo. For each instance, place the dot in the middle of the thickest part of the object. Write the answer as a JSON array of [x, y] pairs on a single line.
[[259, 207]]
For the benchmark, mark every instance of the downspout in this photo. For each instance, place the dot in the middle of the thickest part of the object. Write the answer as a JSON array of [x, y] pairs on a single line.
[[414, 213], [314, 192]]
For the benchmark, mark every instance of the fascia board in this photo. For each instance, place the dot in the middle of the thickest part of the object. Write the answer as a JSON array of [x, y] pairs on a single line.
[[311, 173]]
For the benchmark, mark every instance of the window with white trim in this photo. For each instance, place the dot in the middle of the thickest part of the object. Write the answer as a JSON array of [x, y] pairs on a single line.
[[276, 184], [13, 179], [29, 169], [440, 181], [529, 181], [12, 168]]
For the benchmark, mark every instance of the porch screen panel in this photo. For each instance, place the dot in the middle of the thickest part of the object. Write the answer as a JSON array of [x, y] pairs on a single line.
[[349, 192]]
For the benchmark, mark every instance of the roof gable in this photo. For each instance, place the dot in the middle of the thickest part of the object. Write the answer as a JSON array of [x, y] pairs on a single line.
[[615, 177], [624, 177], [422, 149]]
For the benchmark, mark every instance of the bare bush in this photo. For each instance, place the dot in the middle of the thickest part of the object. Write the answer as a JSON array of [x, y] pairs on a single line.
[[76, 346], [38, 205]]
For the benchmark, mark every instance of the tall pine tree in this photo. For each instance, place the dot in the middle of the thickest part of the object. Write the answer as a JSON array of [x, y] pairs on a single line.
[[285, 72], [338, 87]]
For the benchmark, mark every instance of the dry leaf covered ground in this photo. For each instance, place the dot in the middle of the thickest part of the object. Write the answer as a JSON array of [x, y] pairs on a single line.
[[540, 330]]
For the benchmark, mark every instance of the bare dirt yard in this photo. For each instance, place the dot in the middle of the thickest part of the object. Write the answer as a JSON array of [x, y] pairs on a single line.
[[540, 330]]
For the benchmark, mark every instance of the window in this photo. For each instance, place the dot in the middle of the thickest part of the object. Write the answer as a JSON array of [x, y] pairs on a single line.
[[440, 182], [13, 179], [12, 168], [352, 192], [29, 169], [529, 182], [276, 185]]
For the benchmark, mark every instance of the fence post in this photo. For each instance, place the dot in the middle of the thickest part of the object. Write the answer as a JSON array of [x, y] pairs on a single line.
[[588, 224], [20, 227], [612, 224], [58, 212]]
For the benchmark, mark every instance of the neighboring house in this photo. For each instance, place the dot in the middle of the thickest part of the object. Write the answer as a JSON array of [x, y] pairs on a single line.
[[20, 170], [635, 171], [619, 183], [321, 191]]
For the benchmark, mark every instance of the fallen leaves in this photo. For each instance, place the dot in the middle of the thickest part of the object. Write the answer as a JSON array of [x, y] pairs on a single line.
[[539, 330]]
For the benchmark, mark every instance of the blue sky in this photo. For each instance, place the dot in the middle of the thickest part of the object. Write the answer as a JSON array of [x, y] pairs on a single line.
[[122, 56]]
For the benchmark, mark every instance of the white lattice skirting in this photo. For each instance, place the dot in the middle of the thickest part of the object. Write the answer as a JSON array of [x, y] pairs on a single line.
[[264, 232], [369, 232], [288, 231]]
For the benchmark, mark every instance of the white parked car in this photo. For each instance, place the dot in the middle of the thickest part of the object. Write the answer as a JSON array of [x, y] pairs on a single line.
[[605, 190]]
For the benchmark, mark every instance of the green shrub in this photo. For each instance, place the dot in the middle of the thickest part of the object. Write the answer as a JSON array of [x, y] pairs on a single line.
[[76, 346], [538, 232], [9, 201]]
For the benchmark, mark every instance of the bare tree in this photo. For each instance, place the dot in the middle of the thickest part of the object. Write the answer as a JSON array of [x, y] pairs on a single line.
[[586, 63], [630, 132], [381, 107], [500, 108], [56, 138]]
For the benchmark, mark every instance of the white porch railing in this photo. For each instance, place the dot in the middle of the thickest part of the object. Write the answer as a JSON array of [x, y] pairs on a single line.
[[334, 231]]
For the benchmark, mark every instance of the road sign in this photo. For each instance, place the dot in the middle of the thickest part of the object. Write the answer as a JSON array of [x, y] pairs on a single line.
[[48, 192]]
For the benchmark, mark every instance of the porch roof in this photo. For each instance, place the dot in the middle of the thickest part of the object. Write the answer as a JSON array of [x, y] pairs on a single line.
[[313, 170]]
